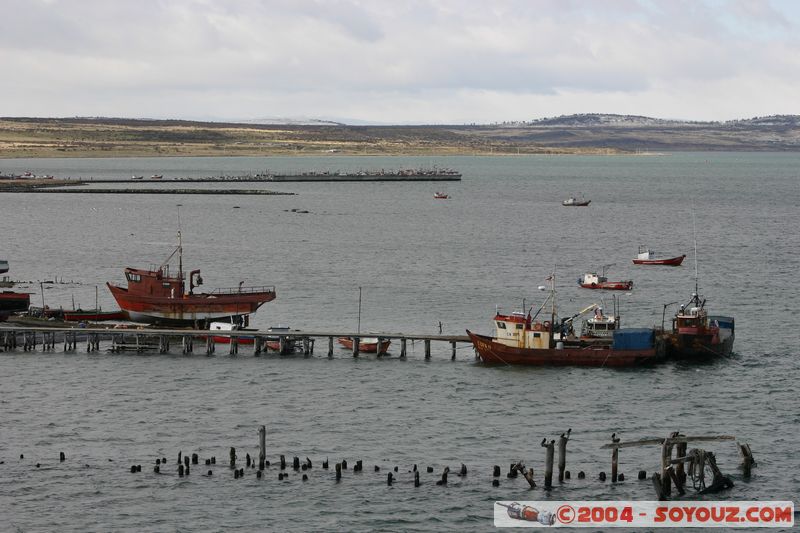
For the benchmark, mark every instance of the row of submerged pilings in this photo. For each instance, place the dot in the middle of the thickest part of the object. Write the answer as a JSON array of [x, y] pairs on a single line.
[[690, 465], [161, 341]]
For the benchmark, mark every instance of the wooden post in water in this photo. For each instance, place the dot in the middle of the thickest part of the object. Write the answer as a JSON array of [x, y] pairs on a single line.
[[330, 346], [747, 459], [403, 347], [614, 458], [356, 346], [453, 350], [427, 348], [666, 457], [562, 454], [548, 464], [262, 446], [680, 469], [306, 348]]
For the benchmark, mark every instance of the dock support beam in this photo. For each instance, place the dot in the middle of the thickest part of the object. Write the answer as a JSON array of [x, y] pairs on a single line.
[[356, 343], [427, 348], [330, 346], [453, 350], [562, 454]]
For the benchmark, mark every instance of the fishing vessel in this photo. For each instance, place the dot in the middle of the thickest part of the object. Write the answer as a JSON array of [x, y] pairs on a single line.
[[574, 202], [366, 344], [695, 334], [159, 297], [646, 256], [441, 195], [521, 339], [592, 280]]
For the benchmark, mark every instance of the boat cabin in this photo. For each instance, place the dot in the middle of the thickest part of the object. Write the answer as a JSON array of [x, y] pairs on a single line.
[[645, 253], [599, 326], [592, 278], [156, 283], [519, 331]]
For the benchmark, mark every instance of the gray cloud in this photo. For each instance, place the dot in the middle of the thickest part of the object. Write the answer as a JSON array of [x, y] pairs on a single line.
[[417, 61]]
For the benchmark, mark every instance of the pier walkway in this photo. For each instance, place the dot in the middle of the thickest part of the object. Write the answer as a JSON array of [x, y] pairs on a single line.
[[27, 338]]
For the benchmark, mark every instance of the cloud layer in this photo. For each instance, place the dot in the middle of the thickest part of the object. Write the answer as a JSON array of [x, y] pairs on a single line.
[[399, 62]]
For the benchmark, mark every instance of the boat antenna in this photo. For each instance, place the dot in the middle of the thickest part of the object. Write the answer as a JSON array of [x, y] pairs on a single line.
[[180, 250], [694, 234], [359, 311]]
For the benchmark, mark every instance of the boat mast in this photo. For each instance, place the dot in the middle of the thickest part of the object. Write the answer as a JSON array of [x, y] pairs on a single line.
[[694, 234], [551, 342], [359, 311]]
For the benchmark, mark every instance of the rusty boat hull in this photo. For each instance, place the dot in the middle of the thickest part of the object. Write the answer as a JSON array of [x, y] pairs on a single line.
[[492, 352]]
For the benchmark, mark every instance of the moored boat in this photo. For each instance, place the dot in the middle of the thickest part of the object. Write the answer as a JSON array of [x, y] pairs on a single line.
[[574, 202], [279, 341], [156, 176], [646, 256], [156, 296], [221, 338], [592, 280], [366, 344], [441, 195], [696, 334], [519, 339]]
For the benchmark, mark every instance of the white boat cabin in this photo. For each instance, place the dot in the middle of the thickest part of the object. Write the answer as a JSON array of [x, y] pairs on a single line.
[[592, 278], [600, 325], [645, 253], [519, 331]]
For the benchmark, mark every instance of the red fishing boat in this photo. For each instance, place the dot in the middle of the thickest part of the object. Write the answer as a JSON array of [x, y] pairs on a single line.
[[13, 302], [156, 296], [591, 280], [366, 344], [646, 256], [441, 195], [519, 339]]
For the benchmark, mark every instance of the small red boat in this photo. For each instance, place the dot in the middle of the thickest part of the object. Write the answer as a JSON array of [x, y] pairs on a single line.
[[646, 256], [366, 344], [441, 195], [155, 296], [97, 315], [591, 280]]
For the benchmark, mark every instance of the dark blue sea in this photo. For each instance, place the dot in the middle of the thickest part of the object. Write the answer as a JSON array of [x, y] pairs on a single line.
[[418, 262]]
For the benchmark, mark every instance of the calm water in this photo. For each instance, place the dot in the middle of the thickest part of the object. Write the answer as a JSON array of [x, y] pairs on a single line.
[[419, 261]]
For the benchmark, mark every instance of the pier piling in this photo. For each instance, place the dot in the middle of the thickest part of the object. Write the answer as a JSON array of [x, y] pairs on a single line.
[[262, 446], [562, 454], [548, 465]]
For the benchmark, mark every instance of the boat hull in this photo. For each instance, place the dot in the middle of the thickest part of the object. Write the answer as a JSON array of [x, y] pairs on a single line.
[[609, 285], [672, 261], [13, 302], [702, 343], [366, 347], [495, 353], [189, 308], [77, 316]]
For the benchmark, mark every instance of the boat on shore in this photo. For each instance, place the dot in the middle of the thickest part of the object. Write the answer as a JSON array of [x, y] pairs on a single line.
[[366, 344], [94, 315], [520, 339], [574, 202], [646, 256], [13, 302], [593, 280], [159, 297]]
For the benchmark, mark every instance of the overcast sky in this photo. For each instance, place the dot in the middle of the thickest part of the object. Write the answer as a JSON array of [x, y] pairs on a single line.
[[397, 61]]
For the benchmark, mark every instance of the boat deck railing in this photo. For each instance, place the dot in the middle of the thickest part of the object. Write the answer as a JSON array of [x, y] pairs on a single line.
[[244, 290]]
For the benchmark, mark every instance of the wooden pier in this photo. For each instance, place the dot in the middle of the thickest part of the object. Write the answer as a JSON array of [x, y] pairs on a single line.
[[187, 340]]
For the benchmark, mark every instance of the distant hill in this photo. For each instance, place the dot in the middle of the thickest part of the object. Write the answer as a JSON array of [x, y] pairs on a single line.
[[592, 133]]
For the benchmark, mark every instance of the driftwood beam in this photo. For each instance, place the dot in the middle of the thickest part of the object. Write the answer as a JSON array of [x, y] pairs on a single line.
[[670, 440]]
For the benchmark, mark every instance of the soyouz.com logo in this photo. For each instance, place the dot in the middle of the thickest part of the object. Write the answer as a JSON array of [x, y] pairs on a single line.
[[644, 514]]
